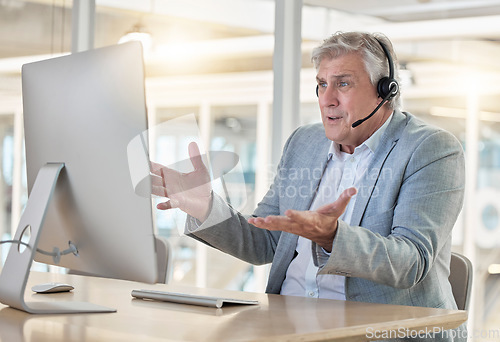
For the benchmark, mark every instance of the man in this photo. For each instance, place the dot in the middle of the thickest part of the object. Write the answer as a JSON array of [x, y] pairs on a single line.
[[358, 212]]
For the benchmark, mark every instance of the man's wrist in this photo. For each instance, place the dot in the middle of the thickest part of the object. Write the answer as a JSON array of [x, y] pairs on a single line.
[[204, 209]]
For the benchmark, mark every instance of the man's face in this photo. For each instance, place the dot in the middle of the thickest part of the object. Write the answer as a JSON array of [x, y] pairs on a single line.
[[345, 96]]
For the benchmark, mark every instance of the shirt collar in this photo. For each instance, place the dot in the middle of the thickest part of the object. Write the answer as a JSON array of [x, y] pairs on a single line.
[[371, 143]]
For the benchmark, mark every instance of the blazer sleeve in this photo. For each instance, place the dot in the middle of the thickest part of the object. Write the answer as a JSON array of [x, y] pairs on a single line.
[[426, 205], [229, 231]]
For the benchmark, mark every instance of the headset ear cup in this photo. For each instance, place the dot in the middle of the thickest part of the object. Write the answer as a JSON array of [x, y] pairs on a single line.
[[385, 85]]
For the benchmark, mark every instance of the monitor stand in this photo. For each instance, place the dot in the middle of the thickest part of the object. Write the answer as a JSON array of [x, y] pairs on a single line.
[[15, 272]]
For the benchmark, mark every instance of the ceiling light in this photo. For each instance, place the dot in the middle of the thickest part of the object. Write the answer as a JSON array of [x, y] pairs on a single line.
[[494, 269], [138, 33]]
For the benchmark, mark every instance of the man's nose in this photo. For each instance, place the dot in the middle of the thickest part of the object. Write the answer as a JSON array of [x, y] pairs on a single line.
[[328, 96]]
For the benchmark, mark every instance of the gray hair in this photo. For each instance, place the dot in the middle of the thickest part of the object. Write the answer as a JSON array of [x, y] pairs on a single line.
[[368, 46]]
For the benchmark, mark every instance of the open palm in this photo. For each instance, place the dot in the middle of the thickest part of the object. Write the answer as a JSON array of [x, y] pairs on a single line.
[[190, 192]]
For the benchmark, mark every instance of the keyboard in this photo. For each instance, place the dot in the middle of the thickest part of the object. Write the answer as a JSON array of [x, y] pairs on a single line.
[[186, 298]]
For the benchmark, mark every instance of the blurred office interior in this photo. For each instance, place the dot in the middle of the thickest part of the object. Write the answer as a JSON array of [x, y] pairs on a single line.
[[233, 64]]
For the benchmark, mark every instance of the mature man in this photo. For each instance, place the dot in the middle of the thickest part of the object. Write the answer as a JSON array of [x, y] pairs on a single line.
[[374, 224]]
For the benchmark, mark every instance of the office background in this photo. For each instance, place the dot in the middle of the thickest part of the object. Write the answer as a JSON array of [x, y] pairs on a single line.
[[234, 64]]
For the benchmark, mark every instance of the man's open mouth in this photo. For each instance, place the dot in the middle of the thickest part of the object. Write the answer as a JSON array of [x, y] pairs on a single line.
[[334, 117]]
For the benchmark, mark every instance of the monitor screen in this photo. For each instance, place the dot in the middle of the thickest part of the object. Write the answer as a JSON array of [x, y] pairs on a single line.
[[83, 110]]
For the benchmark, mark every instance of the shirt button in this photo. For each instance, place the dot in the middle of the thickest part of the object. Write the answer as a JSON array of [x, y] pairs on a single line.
[[312, 294]]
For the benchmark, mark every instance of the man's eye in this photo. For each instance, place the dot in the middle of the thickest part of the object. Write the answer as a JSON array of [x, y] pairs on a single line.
[[323, 85], [343, 84]]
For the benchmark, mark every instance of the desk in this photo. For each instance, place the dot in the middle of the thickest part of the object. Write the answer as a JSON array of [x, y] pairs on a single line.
[[276, 318]]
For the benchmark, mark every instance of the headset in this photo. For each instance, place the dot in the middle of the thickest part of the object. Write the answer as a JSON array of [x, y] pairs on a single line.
[[387, 86]]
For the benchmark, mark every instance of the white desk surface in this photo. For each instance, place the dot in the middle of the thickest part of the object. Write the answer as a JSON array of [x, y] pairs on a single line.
[[276, 318]]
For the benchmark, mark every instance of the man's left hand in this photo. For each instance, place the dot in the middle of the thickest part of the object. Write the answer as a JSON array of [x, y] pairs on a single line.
[[319, 226]]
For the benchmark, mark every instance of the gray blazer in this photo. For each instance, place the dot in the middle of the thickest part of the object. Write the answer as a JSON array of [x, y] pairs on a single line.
[[396, 249]]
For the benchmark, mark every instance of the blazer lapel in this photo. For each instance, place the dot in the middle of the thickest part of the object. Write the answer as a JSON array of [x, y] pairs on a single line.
[[387, 143], [315, 163]]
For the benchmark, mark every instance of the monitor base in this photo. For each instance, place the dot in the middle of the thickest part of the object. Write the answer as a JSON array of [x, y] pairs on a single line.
[[64, 308], [15, 272]]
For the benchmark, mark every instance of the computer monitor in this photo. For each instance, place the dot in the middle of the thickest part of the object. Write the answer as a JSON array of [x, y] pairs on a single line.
[[80, 113]]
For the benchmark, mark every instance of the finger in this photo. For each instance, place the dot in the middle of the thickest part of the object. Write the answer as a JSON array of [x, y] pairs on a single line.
[[282, 223], [159, 191], [172, 203], [339, 206], [300, 217], [259, 222], [255, 220], [195, 156], [156, 181], [164, 205], [157, 169]]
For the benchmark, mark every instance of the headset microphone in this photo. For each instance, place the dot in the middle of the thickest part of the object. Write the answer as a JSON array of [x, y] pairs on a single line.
[[359, 122], [387, 87]]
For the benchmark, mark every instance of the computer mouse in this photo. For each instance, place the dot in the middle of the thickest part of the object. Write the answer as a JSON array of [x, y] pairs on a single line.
[[52, 288]]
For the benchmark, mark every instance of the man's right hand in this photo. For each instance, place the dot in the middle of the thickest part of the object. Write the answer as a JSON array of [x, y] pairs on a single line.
[[191, 192]]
